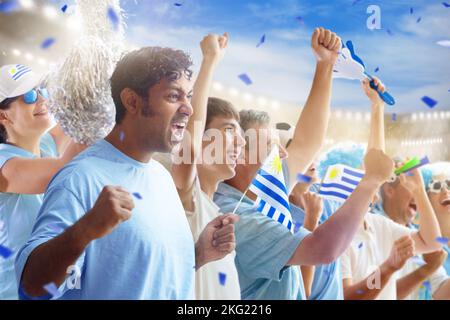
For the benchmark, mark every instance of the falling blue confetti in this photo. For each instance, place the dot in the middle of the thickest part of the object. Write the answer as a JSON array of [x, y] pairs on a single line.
[[177, 4], [64, 8], [297, 227], [245, 78], [47, 43], [222, 278], [355, 2], [445, 4], [114, 18], [261, 41], [8, 6], [137, 195], [376, 69], [121, 135], [360, 245], [427, 285], [301, 178], [5, 252], [389, 32], [411, 10], [429, 101], [359, 292], [419, 19], [394, 117], [52, 289], [442, 240], [300, 19]]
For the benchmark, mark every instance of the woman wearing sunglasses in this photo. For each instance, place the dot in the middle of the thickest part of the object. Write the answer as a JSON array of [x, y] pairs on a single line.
[[29, 157], [438, 187]]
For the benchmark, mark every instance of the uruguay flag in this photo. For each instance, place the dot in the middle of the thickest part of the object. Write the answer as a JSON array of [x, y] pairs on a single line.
[[18, 71], [339, 182], [270, 189]]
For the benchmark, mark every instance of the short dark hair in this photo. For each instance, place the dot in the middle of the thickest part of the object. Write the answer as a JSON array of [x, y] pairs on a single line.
[[141, 69], [220, 108]]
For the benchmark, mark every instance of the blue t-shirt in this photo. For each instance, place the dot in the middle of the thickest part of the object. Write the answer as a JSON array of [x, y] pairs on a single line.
[[149, 256], [263, 248], [327, 283], [17, 215]]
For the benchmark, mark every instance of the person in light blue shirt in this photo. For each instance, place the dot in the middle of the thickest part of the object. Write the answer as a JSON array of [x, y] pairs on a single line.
[[29, 157], [112, 225], [327, 281]]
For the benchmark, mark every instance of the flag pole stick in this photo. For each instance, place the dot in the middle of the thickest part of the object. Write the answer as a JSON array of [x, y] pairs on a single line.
[[240, 200]]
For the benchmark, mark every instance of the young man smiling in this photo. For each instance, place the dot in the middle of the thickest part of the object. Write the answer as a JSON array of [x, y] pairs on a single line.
[[126, 249]]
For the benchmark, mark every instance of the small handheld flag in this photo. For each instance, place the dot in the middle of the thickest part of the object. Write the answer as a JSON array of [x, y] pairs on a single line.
[[339, 182], [270, 189]]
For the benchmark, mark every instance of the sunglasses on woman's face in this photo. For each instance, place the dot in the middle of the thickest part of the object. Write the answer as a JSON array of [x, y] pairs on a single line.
[[438, 186], [32, 96]]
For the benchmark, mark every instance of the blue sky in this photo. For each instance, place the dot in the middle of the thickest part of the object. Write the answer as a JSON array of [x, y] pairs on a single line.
[[410, 62]]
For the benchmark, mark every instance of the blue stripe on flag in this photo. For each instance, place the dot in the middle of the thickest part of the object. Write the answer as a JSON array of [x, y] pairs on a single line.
[[353, 173], [281, 218], [273, 180], [271, 212], [261, 205], [289, 225], [337, 186], [332, 193], [18, 75], [350, 181], [271, 194], [20, 67]]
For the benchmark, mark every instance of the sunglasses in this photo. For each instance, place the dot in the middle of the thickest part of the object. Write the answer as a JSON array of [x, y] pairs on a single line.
[[29, 97], [438, 186]]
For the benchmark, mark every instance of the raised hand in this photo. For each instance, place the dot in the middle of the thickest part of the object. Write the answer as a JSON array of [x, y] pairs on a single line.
[[401, 251], [313, 205], [325, 45], [378, 166], [213, 46], [373, 94]]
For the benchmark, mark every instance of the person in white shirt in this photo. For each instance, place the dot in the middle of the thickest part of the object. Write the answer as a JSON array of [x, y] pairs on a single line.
[[196, 180], [381, 247]]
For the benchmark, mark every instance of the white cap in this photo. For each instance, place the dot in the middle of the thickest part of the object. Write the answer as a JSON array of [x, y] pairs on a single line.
[[16, 80]]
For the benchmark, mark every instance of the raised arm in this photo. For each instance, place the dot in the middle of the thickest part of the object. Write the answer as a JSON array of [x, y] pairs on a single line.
[[31, 176], [213, 49], [332, 238], [376, 135], [312, 125]]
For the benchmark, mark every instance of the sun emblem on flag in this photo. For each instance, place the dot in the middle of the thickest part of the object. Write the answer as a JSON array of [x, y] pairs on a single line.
[[333, 173], [276, 164], [12, 71]]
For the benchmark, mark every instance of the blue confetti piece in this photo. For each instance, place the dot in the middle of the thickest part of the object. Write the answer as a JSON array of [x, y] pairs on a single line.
[[222, 278], [64, 8], [411, 10], [261, 41], [177, 4], [8, 6], [442, 240], [114, 18], [359, 292], [52, 289], [445, 4], [389, 32], [297, 227], [137, 195], [5, 252], [360, 245], [47, 43], [427, 285], [355, 2], [419, 19], [300, 19], [409, 174], [394, 117], [376, 69], [429, 101], [301, 178], [121, 135], [245, 78]]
